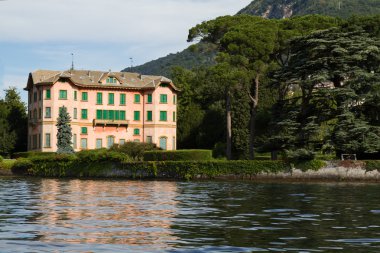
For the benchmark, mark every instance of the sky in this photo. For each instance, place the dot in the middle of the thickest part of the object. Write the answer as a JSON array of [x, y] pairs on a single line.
[[102, 34]]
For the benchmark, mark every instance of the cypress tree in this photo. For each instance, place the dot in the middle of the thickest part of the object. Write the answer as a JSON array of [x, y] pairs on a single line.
[[64, 133]]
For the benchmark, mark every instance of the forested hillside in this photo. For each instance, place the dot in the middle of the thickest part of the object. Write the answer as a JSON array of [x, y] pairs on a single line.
[[288, 8], [200, 56]]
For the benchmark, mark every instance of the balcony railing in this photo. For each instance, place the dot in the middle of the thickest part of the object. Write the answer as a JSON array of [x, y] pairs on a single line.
[[110, 122]]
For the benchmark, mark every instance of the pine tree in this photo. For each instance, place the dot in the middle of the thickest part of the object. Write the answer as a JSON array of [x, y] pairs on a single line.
[[64, 133]]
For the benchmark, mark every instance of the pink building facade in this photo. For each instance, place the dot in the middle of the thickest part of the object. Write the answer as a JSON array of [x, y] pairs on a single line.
[[106, 108]]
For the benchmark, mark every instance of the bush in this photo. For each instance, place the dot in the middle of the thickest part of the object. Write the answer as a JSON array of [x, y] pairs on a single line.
[[1, 158], [22, 166], [295, 156], [372, 165], [219, 150], [178, 155], [101, 155], [135, 150], [30, 154], [310, 165]]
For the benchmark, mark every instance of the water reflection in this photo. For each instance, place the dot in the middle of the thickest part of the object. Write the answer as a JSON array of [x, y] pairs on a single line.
[[120, 216]]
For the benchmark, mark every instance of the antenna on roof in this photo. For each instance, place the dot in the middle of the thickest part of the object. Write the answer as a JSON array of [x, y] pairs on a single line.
[[131, 61], [72, 61]]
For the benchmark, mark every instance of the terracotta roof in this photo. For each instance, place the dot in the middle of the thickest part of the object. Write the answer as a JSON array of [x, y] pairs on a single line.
[[89, 78]]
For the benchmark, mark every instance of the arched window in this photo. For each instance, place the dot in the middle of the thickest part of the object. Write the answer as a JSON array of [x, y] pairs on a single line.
[[164, 143]]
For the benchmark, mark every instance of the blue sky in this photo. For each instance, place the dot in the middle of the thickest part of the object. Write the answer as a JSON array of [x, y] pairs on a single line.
[[102, 34]]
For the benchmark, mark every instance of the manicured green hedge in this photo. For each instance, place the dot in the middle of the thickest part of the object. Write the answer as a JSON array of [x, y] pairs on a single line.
[[71, 166], [372, 165], [178, 155], [31, 154]]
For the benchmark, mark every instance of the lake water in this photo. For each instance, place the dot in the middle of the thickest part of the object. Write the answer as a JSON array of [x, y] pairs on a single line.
[[47, 215]]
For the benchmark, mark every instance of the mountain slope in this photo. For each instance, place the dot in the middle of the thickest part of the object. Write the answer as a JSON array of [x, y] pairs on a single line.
[[288, 8], [199, 55]]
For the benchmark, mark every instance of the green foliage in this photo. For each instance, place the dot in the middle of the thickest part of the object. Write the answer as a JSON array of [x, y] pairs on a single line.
[[64, 134], [280, 9], [295, 156], [1, 158], [134, 150], [31, 154], [178, 155], [310, 165], [7, 164], [22, 166], [372, 165], [100, 155]]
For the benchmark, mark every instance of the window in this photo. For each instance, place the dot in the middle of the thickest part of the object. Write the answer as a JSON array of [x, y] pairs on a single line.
[[99, 98], [48, 94], [122, 99], [99, 143], [163, 143], [75, 113], [122, 142], [137, 98], [136, 115], [149, 139], [122, 115], [35, 96], [163, 99], [136, 131], [75, 95], [39, 113], [47, 141], [35, 114], [111, 114], [84, 113], [84, 130], [62, 94], [75, 141], [149, 99], [174, 117], [110, 141], [174, 99], [48, 112], [83, 143], [111, 80], [149, 116], [84, 96], [99, 114], [163, 116], [111, 98]]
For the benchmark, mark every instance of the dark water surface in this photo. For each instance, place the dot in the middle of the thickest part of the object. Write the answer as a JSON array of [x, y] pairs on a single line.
[[47, 215]]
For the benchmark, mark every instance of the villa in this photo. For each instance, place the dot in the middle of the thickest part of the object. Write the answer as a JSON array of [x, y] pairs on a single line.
[[106, 108]]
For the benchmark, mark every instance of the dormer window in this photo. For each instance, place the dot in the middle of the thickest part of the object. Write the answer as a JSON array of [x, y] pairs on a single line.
[[111, 80]]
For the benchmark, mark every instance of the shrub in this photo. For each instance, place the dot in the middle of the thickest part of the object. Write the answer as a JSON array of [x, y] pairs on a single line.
[[372, 165], [219, 150], [135, 150], [178, 155], [22, 166], [101, 155], [30, 154], [294, 156], [310, 165], [1, 158]]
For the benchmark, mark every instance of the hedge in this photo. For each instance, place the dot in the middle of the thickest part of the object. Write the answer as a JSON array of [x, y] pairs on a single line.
[[178, 155], [372, 165], [30, 154]]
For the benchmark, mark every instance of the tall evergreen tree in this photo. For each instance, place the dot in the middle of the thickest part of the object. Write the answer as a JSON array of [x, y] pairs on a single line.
[[64, 134]]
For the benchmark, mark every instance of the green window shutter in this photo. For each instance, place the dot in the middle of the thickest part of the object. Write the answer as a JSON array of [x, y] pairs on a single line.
[[117, 115], [75, 95], [75, 113], [48, 94], [99, 98], [163, 99], [136, 131], [137, 98], [84, 96], [63, 94], [84, 130], [150, 98], [99, 114], [111, 114], [149, 116], [174, 117], [163, 116], [136, 116], [174, 99], [84, 113], [105, 114], [122, 115], [122, 99], [111, 98]]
